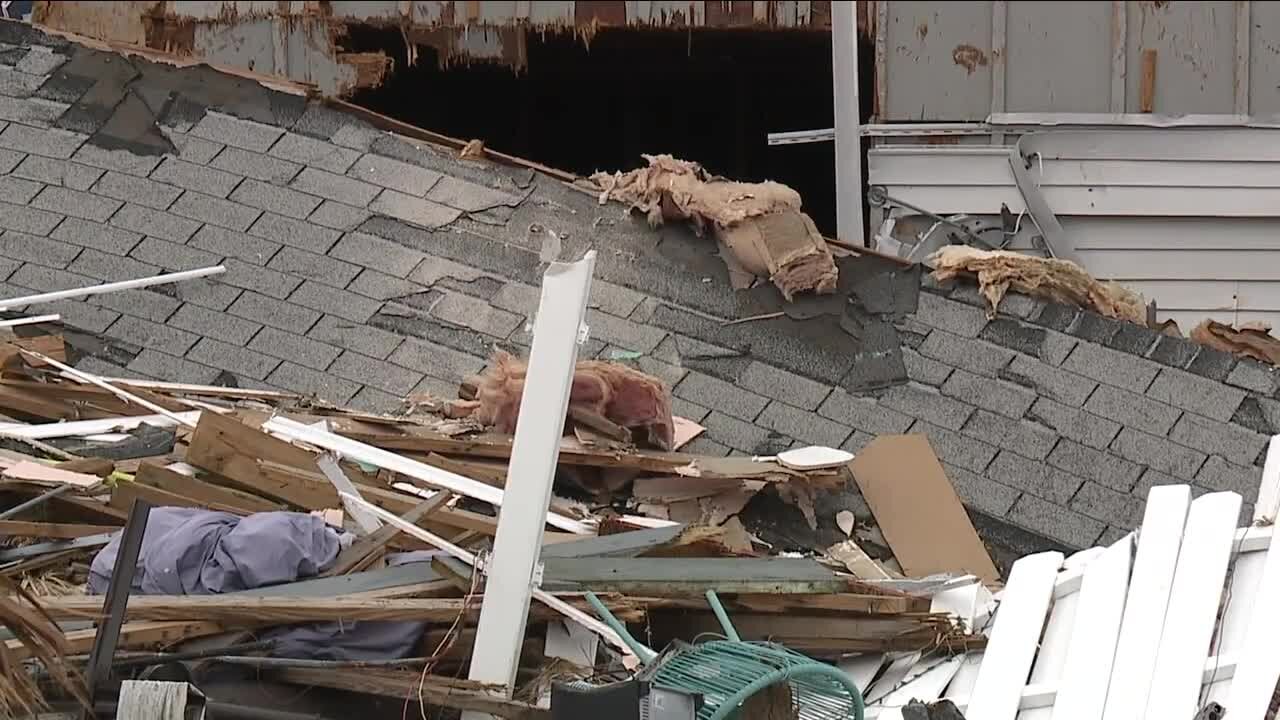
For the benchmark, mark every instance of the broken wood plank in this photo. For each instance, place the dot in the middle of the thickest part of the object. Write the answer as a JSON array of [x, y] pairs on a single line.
[[401, 503], [692, 576], [362, 551], [252, 460], [401, 684], [235, 609], [625, 544], [202, 492], [40, 474], [54, 531], [124, 493], [917, 509], [132, 636]]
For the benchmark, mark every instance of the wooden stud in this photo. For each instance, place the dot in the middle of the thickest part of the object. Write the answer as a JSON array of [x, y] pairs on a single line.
[[1147, 90]]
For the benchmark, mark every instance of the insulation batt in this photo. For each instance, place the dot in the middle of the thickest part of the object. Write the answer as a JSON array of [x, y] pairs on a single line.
[[625, 396]]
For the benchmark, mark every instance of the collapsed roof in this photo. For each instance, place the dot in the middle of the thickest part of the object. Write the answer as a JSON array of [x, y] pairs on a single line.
[[363, 265]]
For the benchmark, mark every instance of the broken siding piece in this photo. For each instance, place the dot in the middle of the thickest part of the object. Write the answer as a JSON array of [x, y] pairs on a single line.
[[1193, 605], [1012, 647], [1143, 621], [927, 688]]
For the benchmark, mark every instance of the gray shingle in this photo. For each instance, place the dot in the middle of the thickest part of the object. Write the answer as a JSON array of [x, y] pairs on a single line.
[[335, 302], [926, 403], [334, 187], [1111, 367], [275, 198], [28, 220], [1066, 526], [95, 235], [75, 203], [374, 252], [467, 196], [995, 395], [978, 492], [1022, 436], [220, 325], [1159, 453], [1049, 381], [782, 385], [705, 446], [338, 216], [215, 211], [255, 165], [803, 426], [613, 299], [146, 304], [172, 256], [1218, 474], [17, 84], [40, 61], [296, 348], [298, 233], [432, 269], [956, 449], [42, 279], [225, 243], [1229, 440], [205, 292], [355, 336], [49, 142], [436, 360], [1152, 477], [924, 370], [154, 363], [51, 171], [356, 136], [106, 267], [317, 153], [864, 414], [314, 267], [230, 130], [735, 433], [194, 149], [380, 286], [437, 388], [1073, 423], [275, 313], [476, 314], [1197, 394], [394, 174], [373, 400], [18, 190], [716, 393], [376, 373], [1255, 376], [121, 160], [32, 111], [131, 188], [39, 250], [236, 359], [1107, 505], [688, 409], [1132, 409], [190, 176], [976, 356], [956, 318], [81, 315], [413, 210], [102, 368], [1096, 465], [621, 332], [152, 335], [153, 222], [9, 159]]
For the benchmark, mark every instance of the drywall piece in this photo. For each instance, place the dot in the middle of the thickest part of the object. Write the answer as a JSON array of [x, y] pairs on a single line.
[[27, 300], [926, 687], [917, 509], [329, 467], [1258, 664], [1193, 606], [1145, 608], [963, 602], [1268, 505], [80, 428], [360, 452], [1012, 647], [510, 584], [1082, 688]]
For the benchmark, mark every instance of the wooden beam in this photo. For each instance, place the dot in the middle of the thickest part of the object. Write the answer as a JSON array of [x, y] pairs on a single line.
[[234, 609], [692, 577], [1147, 88], [200, 491], [401, 684], [362, 551], [252, 460], [124, 493], [54, 531], [132, 636]]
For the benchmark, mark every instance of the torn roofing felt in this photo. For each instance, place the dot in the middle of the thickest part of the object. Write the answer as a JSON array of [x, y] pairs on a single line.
[[363, 266]]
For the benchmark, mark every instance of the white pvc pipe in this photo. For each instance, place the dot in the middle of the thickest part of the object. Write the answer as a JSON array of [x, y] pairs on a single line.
[[125, 396], [29, 320], [110, 287]]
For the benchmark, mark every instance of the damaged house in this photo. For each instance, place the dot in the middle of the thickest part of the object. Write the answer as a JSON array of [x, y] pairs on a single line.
[[370, 267]]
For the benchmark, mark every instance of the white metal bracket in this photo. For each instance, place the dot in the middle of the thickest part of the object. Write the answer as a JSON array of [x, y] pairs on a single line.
[[584, 332]]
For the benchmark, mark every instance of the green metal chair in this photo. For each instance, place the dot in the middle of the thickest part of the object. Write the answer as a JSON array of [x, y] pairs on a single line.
[[728, 672]]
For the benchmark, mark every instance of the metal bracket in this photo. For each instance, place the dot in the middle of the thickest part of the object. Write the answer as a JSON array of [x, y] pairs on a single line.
[[1056, 241], [537, 575], [584, 332]]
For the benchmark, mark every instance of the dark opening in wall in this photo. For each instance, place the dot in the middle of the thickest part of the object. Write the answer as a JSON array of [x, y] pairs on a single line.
[[710, 96]]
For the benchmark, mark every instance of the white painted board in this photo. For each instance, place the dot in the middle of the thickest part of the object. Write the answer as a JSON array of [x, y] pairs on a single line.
[[1082, 687]]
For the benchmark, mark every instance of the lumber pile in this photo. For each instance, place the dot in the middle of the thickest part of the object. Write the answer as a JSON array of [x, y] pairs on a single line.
[[380, 522]]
